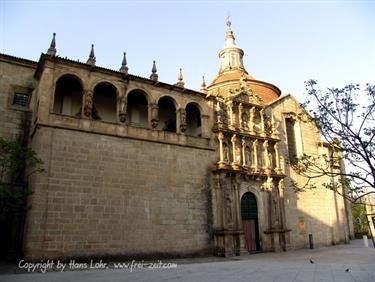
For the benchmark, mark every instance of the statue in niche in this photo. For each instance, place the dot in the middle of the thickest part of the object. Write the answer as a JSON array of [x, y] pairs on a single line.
[[270, 159], [245, 118], [225, 152], [247, 156], [238, 155]]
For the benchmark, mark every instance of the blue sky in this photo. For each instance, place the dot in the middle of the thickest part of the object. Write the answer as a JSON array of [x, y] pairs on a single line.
[[285, 42]]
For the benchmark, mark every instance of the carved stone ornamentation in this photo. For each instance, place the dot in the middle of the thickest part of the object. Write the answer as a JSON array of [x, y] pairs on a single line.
[[182, 120], [154, 116], [87, 109], [122, 109]]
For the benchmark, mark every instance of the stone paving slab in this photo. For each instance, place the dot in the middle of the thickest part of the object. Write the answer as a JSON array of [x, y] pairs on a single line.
[[329, 264]]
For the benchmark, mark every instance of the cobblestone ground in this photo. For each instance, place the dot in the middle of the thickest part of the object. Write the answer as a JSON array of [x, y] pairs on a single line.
[[341, 263]]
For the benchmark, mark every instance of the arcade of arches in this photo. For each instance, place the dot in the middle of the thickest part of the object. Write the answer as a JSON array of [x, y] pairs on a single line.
[[104, 104]]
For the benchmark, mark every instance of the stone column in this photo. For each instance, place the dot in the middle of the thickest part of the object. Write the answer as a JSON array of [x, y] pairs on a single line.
[[235, 163], [255, 155], [154, 116], [87, 104], [277, 160], [221, 162], [265, 155], [261, 112], [243, 151]]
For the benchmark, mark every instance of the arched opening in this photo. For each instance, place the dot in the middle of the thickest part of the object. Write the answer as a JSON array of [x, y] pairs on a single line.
[[104, 102], [249, 216], [68, 96], [167, 114], [193, 120], [137, 109]]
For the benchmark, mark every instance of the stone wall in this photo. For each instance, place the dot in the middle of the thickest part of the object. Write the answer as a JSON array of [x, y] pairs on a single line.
[[105, 195], [15, 75], [319, 212]]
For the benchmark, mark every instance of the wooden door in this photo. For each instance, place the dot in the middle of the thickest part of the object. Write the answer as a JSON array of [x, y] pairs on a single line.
[[249, 227], [249, 216]]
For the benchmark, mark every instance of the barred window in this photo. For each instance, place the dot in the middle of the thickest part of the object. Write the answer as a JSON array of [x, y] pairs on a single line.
[[21, 99]]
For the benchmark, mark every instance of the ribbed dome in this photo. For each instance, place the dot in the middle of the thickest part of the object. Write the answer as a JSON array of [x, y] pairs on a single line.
[[232, 73]]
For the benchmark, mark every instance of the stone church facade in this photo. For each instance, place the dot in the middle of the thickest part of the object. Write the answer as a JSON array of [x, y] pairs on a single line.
[[138, 167]]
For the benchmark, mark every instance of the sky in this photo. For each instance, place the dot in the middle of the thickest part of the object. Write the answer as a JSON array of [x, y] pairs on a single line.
[[285, 42]]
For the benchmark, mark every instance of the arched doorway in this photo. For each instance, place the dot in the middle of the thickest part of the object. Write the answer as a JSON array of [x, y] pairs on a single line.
[[249, 216]]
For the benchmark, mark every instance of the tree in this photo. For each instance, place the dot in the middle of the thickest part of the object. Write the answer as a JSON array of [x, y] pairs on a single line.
[[17, 163], [346, 120], [360, 220]]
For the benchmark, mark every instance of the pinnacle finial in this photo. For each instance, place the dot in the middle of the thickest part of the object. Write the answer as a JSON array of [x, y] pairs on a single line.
[[229, 38], [154, 76], [92, 59], [180, 81], [180, 77], [229, 23], [52, 48], [203, 85], [124, 65]]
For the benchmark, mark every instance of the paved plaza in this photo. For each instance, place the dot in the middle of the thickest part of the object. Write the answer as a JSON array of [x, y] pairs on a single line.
[[341, 263]]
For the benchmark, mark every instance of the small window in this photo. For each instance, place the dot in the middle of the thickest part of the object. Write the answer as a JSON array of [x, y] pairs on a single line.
[[21, 99]]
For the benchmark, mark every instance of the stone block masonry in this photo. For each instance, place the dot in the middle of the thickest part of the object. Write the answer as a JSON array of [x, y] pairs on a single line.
[[103, 195]]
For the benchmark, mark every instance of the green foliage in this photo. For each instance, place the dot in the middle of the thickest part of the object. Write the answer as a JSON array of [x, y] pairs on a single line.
[[359, 218], [346, 120], [17, 163]]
